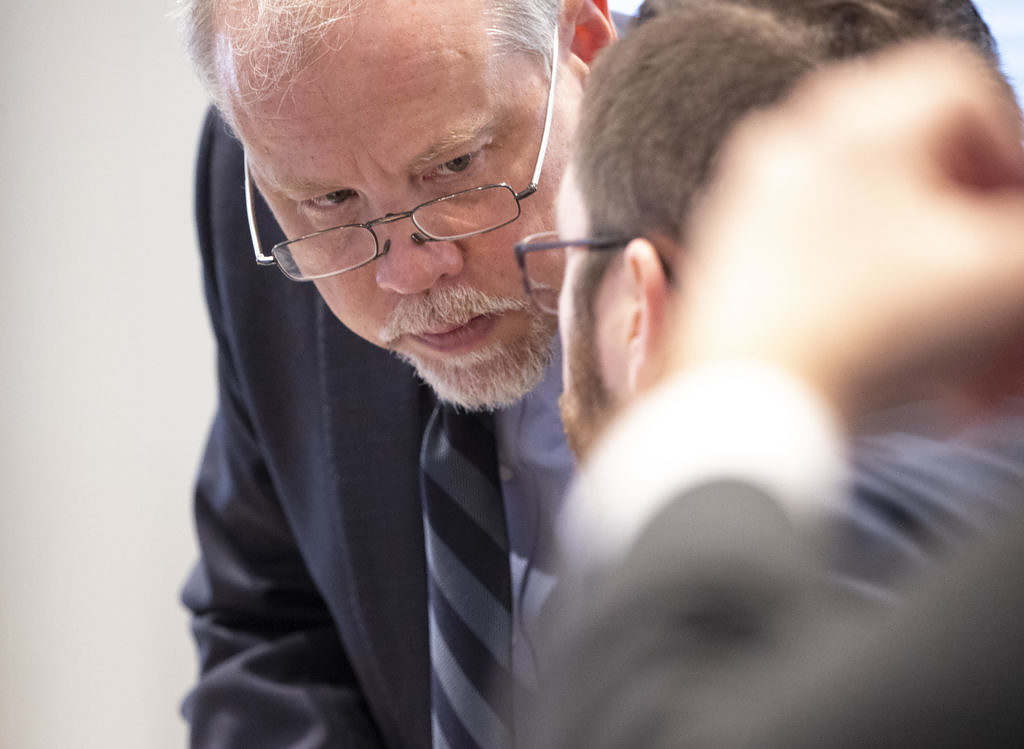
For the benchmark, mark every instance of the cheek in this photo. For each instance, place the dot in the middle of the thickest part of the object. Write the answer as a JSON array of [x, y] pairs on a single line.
[[490, 259], [357, 302], [609, 354], [611, 332], [610, 351], [550, 268], [567, 321], [489, 262], [566, 333]]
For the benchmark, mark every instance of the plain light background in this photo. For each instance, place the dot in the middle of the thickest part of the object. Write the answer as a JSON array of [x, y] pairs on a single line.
[[107, 369], [107, 373]]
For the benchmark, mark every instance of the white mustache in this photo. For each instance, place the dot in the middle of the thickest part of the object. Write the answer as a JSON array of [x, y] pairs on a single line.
[[448, 306]]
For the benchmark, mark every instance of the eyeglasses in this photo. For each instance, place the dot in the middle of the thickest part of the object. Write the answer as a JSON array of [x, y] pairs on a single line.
[[462, 214], [534, 249]]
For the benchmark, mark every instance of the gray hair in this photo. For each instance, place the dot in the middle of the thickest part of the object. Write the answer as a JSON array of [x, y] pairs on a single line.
[[280, 38]]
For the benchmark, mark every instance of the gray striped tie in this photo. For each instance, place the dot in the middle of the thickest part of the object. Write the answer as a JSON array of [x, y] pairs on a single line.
[[470, 597]]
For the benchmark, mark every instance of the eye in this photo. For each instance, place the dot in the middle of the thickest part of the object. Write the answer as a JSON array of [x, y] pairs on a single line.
[[455, 166], [459, 164], [337, 197]]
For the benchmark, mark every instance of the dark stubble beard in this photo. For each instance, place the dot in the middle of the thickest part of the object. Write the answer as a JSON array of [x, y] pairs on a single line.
[[585, 403]]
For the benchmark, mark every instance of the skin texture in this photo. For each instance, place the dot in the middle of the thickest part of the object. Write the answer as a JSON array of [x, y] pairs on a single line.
[[383, 119]]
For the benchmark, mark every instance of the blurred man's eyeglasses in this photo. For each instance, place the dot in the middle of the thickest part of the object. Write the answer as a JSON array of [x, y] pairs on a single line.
[[533, 255], [466, 213]]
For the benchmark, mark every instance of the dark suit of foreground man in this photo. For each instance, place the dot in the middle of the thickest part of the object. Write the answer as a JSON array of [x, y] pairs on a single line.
[[717, 630]]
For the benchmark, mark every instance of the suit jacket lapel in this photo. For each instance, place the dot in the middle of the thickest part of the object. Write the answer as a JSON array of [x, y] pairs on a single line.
[[373, 419]]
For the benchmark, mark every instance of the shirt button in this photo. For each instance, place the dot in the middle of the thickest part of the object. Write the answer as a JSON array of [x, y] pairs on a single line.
[[504, 473]]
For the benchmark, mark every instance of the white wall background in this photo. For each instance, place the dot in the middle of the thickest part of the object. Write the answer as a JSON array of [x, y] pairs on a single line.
[[1006, 19], [106, 368], [106, 373]]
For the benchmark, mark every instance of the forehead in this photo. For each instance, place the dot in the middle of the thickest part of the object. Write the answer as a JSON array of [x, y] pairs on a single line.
[[390, 79], [272, 40]]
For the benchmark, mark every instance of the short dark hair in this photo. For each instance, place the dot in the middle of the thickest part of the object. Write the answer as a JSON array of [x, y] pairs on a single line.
[[660, 100], [659, 103], [656, 106], [853, 22], [866, 25]]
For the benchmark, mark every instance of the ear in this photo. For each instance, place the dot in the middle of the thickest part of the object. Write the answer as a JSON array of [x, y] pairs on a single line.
[[592, 27], [648, 286]]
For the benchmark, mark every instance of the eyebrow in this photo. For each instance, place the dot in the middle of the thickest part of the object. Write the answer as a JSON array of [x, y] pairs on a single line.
[[461, 134], [291, 185], [298, 185]]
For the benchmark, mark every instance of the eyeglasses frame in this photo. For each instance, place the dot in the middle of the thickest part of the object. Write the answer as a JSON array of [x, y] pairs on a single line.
[[529, 244], [419, 236]]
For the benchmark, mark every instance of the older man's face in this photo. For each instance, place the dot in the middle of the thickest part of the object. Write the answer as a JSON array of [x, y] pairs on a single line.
[[408, 104]]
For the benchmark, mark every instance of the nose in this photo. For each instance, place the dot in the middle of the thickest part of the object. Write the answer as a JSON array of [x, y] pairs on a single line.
[[412, 265]]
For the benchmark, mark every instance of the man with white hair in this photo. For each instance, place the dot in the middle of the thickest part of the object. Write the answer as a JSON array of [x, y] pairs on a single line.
[[373, 551]]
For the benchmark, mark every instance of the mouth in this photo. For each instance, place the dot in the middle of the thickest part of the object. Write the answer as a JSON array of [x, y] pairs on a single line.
[[458, 338]]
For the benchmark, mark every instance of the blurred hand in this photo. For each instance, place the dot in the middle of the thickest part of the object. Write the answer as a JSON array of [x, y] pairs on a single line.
[[867, 235]]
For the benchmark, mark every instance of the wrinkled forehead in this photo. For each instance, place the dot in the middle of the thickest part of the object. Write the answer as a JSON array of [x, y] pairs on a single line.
[[266, 50]]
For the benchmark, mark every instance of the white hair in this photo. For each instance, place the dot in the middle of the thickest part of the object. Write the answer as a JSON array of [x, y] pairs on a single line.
[[278, 39]]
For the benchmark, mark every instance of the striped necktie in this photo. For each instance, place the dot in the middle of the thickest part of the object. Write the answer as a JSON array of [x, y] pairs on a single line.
[[470, 596]]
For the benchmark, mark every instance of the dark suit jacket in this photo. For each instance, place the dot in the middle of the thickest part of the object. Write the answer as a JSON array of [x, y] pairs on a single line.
[[720, 629], [309, 597]]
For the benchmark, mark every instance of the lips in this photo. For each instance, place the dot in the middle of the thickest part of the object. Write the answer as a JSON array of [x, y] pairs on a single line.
[[458, 338], [444, 329]]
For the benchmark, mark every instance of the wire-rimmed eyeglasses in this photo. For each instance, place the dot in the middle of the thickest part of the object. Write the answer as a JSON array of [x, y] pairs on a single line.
[[462, 214], [540, 287]]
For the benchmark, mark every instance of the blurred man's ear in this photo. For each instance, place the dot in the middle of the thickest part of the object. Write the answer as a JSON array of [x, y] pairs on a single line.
[[648, 285], [592, 27]]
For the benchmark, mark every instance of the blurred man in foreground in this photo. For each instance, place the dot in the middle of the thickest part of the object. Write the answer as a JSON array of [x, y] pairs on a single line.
[[882, 245]]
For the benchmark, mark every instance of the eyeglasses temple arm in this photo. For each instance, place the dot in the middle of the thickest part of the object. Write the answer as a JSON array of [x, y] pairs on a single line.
[[257, 247], [535, 180]]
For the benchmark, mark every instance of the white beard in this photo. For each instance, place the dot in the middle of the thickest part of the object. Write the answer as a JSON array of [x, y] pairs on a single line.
[[492, 377]]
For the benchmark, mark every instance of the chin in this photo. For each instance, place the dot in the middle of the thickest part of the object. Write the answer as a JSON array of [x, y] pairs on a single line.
[[492, 377]]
